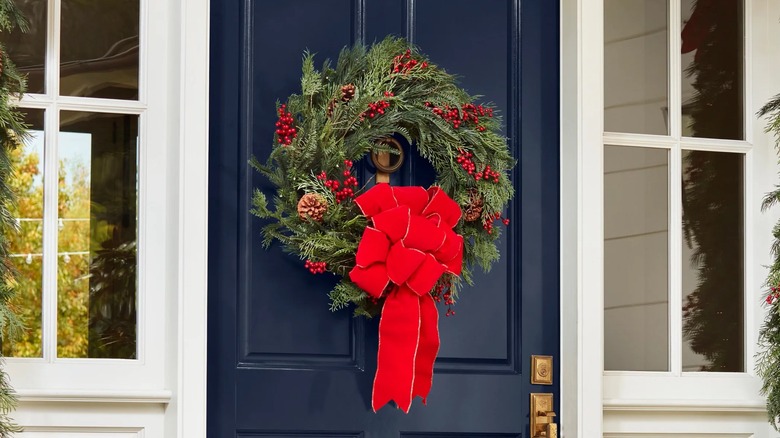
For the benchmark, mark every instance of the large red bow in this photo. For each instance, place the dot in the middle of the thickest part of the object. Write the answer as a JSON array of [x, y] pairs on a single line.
[[410, 245]]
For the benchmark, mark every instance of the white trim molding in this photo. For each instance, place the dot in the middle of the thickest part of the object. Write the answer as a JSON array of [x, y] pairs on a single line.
[[678, 406], [186, 416], [72, 396], [582, 309]]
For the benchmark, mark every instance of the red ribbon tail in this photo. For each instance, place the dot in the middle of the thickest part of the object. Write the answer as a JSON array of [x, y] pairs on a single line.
[[399, 333], [427, 347]]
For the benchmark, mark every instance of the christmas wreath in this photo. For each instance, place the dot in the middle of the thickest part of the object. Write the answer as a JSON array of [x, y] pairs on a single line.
[[398, 250]]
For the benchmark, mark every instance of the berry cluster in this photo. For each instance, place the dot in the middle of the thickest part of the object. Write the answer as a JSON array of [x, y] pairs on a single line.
[[468, 113], [487, 174], [376, 108], [487, 224], [315, 267], [465, 159], [442, 292], [404, 62], [285, 132], [344, 189], [774, 296]]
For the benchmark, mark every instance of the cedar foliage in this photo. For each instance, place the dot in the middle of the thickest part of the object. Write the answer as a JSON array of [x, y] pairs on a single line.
[[768, 358], [331, 131], [12, 132]]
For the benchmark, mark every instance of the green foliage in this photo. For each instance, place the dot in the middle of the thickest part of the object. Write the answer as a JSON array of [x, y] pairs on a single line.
[[324, 141], [7, 405], [11, 17], [772, 111], [768, 358], [12, 131]]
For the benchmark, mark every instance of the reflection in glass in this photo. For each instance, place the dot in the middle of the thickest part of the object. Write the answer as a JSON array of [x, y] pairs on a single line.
[[26, 246], [98, 207], [636, 261], [712, 63], [99, 49], [28, 50], [636, 52], [712, 262]]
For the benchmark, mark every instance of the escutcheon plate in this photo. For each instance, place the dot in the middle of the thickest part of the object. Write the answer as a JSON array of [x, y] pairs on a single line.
[[541, 370]]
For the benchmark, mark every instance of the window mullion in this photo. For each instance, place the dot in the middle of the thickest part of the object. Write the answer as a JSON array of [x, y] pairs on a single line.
[[675, 260], [675, 187], [52, 71], [50, 229], [50, 184], [675, 79]]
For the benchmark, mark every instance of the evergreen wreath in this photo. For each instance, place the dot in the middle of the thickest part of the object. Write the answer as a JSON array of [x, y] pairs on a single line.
[[768, 358], [348, 111]]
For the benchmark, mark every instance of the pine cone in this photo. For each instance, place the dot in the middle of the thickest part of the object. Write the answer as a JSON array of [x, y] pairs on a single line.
[[312, 206], [347, 92], [474, 207]]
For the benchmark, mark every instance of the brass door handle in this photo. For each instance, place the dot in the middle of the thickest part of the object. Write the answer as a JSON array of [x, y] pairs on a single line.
[[542, 416]]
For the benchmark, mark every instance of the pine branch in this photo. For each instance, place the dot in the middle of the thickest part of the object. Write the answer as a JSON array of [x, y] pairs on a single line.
[[13, 131], [768, 357]]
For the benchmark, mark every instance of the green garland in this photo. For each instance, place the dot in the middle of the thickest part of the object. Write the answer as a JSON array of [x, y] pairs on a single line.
[[346, 112], [12, 132], [768, 359]]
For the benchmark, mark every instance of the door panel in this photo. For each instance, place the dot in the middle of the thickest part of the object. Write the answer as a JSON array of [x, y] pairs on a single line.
[[280, 363]]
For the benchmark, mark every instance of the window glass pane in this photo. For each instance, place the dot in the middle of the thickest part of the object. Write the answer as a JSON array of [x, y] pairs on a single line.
[[636, 52], [99, 49], [712, 69], [712, 262], [26, 246], [636, 261], [98, 205], [28, 50]]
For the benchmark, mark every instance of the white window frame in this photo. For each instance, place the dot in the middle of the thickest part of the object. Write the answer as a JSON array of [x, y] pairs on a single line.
[[592, 390], [52, 378], [164, 392]]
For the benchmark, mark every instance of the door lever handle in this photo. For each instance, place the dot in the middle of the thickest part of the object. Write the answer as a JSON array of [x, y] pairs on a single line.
[[542, 416]]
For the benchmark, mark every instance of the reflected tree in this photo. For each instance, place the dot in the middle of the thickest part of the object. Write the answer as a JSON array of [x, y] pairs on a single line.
[[112, 302], [712, 186]]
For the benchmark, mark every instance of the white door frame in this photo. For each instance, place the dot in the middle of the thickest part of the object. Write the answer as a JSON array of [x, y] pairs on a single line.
[[581, 163], [186, 414], [582, 313], [582, 234]]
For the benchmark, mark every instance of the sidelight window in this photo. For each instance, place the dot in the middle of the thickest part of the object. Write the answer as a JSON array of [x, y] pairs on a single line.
[[675, 165], [79, 180]]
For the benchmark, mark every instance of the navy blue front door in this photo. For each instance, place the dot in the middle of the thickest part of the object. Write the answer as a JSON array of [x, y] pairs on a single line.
[[280, 363]]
